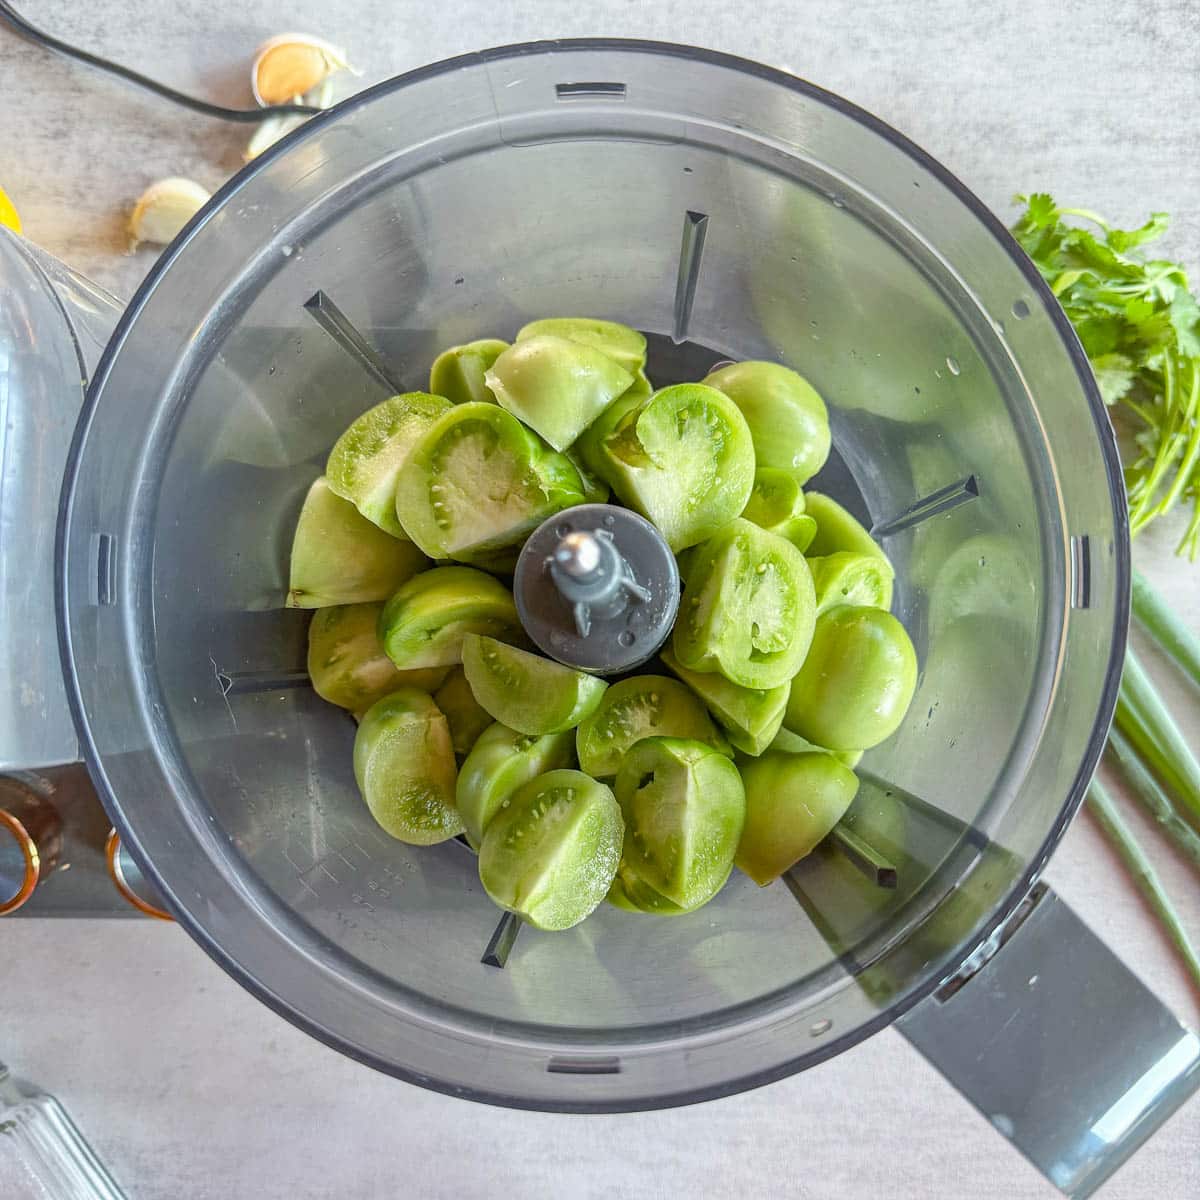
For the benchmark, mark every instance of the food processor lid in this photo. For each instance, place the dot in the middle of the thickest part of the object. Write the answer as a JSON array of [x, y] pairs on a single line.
[[522, 97]]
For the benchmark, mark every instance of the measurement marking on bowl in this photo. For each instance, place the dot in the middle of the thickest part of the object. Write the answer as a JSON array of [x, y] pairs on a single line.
[[103, 590], [500, 945], [590, 91], [596, 1065], [342, 330], [1081, 571], [691, 250], [933, 505]]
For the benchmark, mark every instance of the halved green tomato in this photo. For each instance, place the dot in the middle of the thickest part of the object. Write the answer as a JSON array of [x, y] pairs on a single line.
[[792, 743], [525, 691], [776, 504], [684, 806], [639, 707], [404, 765], [347, 663], [787, 418], [619, 342], [338, 557], [684, 459], [366, 459], [845, 577], [424, 623], [837, 530], [500, 762], [557, 387], [458, 373], [748, 608], [479, 481], [856, 683], [792, 802], [464, 714], [551, 852], [750, 716]]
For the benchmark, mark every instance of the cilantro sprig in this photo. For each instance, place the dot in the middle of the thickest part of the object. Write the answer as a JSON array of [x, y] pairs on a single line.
[[1140, 328]]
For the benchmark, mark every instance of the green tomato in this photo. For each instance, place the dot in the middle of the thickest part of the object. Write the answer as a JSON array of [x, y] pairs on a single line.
[[792, 802], [458, 373], [338, 557], [366, 459], [404, 765], [837, 530], [500, 762], [589, 446], [639, 707], [684, 459], [347, 663], [527, 692], [551, 852], [595, 490], [860, 580], [787, 417], [424, 623], [684, 806], [626, 346], [557, 387], [630, 893], [479, 481], [776, 504], [748, 608], [750, 716], [464, 714], [793, 743], [857, 681]]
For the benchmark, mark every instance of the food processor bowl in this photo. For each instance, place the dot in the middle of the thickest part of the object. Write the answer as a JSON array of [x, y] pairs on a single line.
[[731, 212]]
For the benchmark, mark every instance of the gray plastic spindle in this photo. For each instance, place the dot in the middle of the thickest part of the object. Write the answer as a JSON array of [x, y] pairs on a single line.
[[597, 588]]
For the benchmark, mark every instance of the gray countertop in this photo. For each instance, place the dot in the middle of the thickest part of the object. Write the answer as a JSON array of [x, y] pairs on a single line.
[[190, 1088]]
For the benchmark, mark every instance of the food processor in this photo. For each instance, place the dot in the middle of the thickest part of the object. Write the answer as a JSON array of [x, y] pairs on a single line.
[[731, 212]]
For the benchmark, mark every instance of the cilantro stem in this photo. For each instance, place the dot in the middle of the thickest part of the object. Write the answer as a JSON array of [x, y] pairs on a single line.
[[1160, 621], [1153, 796]]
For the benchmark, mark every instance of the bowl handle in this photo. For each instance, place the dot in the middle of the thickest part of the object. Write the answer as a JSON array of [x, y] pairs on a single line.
[[1058, 1045]]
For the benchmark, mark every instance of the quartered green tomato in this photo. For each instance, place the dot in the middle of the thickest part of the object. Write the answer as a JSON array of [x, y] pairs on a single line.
[[527, 692], [366, 459], [787, 417], [619, 342], [478, 481], [631, 893], [347, 663], [776, 504], [684, 807], [750, 716], [557, 387], [748, 608], [792, 743], [792, 802], [837, 530], [500, 762], [595, 490], [404, 765], [589, 445], [552, 850], [639, 707], [857, 681], [683, 458], [458, 373], [464, 714], [424, 623], [860, 580], [339, 557]]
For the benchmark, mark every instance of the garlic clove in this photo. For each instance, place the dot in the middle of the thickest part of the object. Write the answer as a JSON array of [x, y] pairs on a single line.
[[291, 64], [164, 209], [269, 131]]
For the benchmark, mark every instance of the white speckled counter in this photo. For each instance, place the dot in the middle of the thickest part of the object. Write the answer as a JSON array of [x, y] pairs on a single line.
[[191, 1089]]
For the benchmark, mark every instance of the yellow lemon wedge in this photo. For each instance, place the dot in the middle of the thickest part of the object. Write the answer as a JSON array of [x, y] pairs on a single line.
[[8, 214]]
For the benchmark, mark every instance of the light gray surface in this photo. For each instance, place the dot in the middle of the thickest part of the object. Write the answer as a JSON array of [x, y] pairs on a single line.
[[190, 1088]]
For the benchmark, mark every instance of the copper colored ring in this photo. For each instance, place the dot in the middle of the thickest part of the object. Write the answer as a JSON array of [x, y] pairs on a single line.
[[33, 862], [112, 858]]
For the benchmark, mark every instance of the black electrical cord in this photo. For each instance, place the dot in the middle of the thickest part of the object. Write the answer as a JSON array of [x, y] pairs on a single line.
[[11, 17]]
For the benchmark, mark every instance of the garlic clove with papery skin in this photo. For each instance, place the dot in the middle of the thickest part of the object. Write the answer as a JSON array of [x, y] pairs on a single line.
[[291, 64], [164, 209]]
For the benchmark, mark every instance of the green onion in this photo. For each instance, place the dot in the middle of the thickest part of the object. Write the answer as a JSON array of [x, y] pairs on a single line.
[[1166, 628], [1143, 874]]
